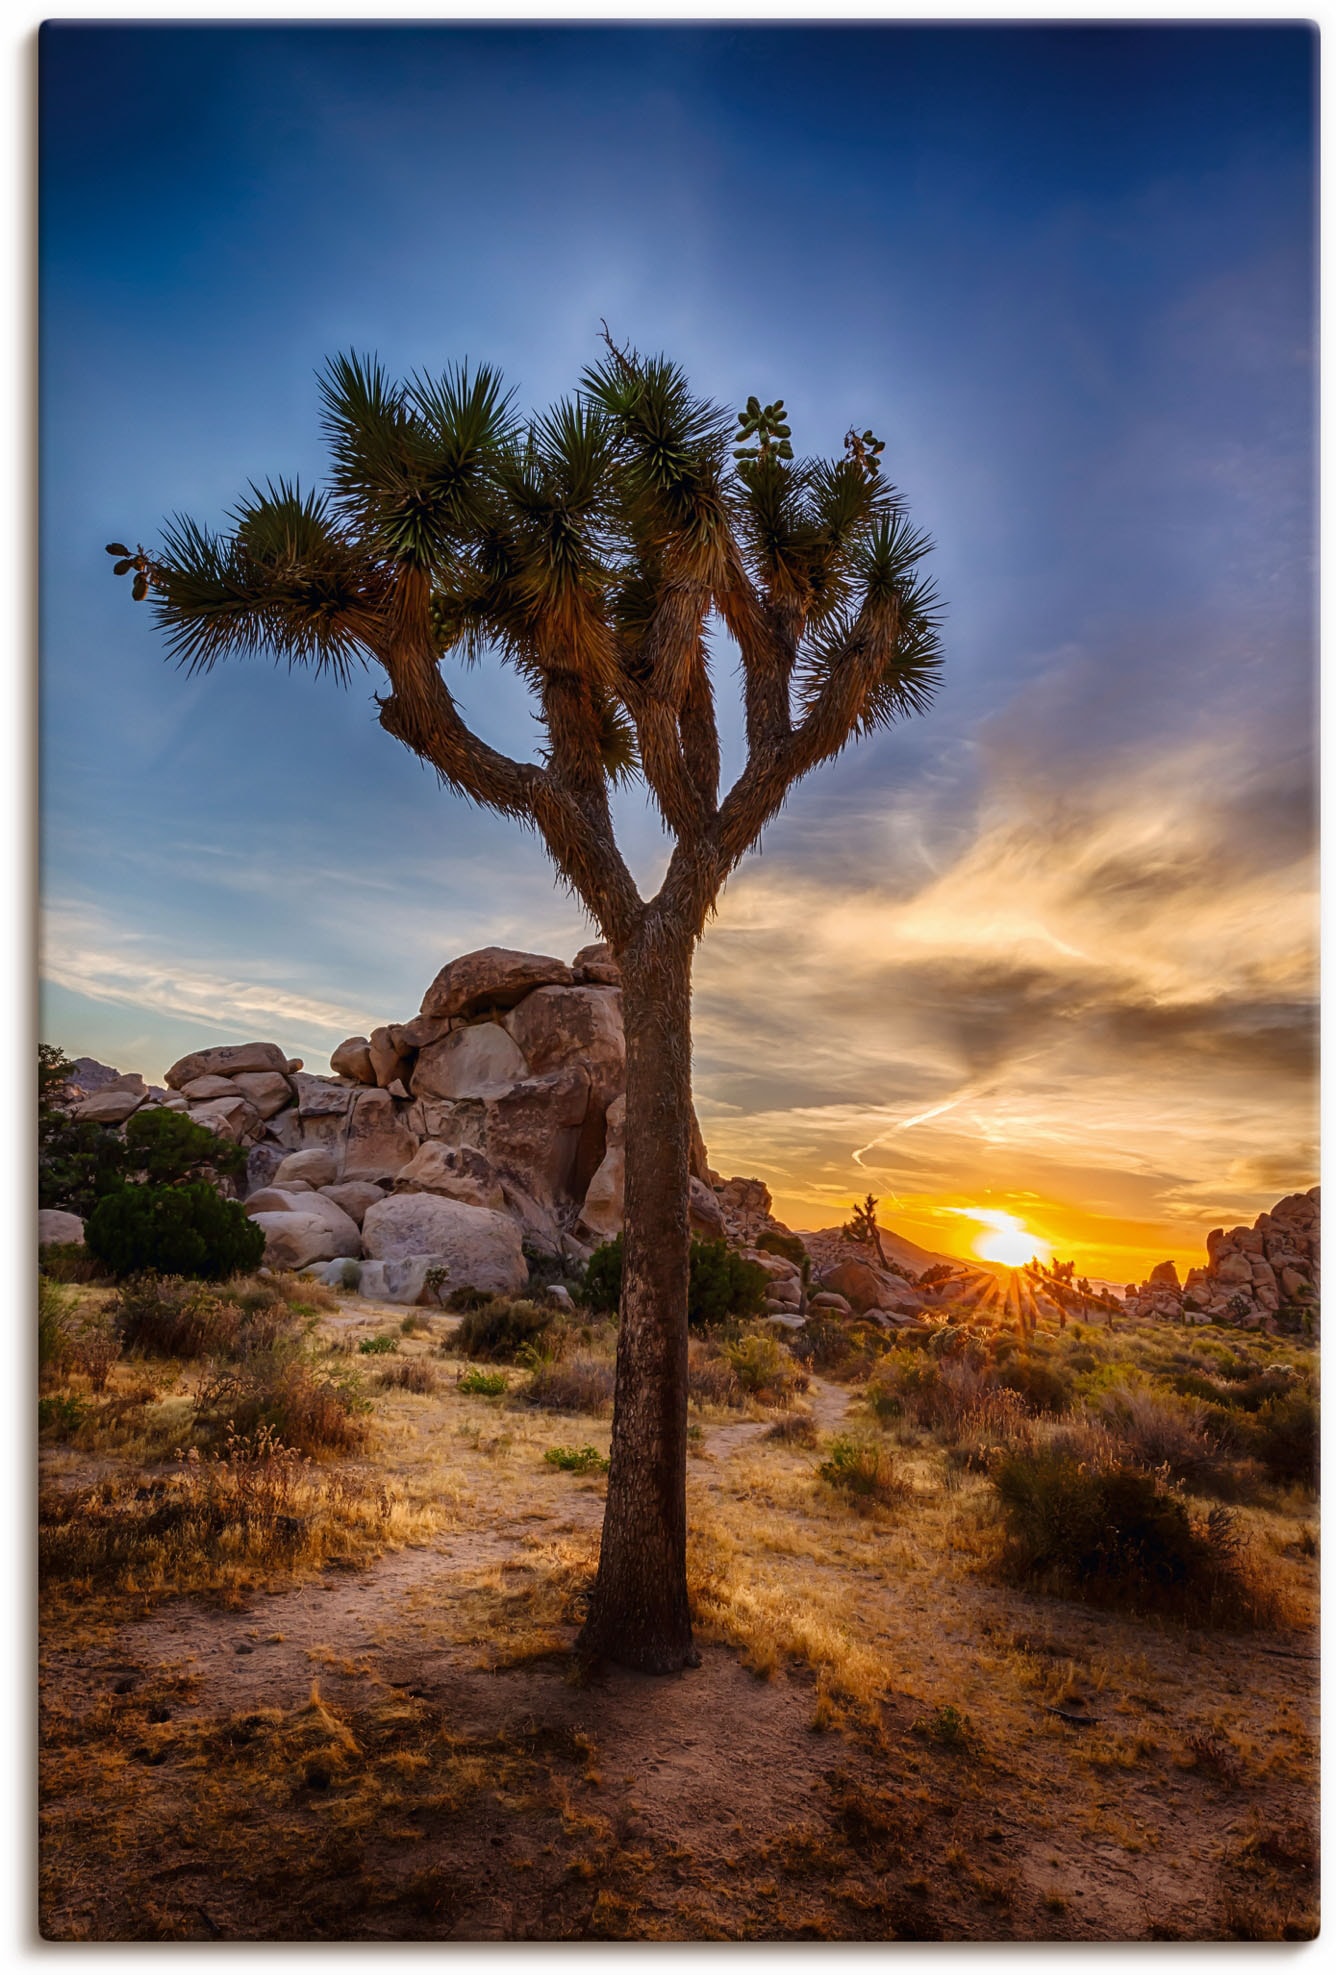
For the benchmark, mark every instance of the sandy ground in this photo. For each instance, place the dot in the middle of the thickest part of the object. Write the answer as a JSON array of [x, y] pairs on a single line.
[[465, 1785]]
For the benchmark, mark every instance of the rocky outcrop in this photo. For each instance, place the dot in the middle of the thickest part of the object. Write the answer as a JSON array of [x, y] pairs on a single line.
[[1258, 1276], [504, 1096]]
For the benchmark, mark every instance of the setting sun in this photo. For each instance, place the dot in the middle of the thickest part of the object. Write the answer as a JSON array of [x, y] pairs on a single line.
[[1006, 1239]]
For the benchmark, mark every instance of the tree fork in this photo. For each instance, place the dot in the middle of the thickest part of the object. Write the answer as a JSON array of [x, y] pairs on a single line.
[[639, 1614]]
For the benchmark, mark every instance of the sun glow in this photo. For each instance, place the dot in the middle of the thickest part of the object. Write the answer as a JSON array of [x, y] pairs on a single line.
[[1006, 1239]]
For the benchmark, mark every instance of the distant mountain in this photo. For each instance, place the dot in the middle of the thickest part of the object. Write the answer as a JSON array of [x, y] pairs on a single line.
[[908, 1255]]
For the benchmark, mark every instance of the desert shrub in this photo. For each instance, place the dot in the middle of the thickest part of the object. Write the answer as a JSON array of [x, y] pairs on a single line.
[[167, 1148], [573, 1385], [187, 1230], [171, 1317], [1110, 1533], [711, 1380], [764, 1369], [466, 1297], [499, 1329], [96, 1348], [998, 1422], [487, 1385], [794, 1430], [61, 1414], [67, 1261], [282, 1391], [722, 1283], [1157, 1431], [861, 1467], [379, 1346], [55, 1330], [603, 1276], [576, 1460], [821, 1342], [949, 1729], [1285, 1439], [412, 1322], [1040, 1384], [552, 1272], [254, 1502], [409, 1375]]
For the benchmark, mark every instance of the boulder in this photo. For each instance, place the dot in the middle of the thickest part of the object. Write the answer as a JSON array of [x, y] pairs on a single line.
[[468, 1062], [604, 1202], [557, 1026], [595, 966], [262, 1163], [390, 1059], [53, 1225], [1233, 1268], [323, 1097], [110, 1106], [827, 1299], [353, 1059], [403, 1281], [1164, 1275], [456, 1172], [354, 1197], [266, 1090], [788, 1292], [318, 1206], [230, 1117], [314, 1164], [200, 1089], [532, 1133], [704, 1213], [479, 1249], [493, 977], [378, 1144], [278, 1200], [1295, 1285], [862, 1285], [227, 1061], [293, 1240]]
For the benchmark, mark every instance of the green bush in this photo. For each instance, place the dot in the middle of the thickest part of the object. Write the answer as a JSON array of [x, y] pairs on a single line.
[[764, 1368], [1285, 1439], [61, 1414], [1039, 1384], [187, 1230], [67, 1261], [1113, 1534], [499, 1329], [722, 1283], [861, 1467], [80, 1162], [576, 1460], [55, 1332], [821, 1341], [167, 1148], [487, 1385], [603, 1277], [374, 1347]]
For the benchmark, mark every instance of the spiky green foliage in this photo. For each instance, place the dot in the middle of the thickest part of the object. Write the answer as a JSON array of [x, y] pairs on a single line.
[[593, 547]]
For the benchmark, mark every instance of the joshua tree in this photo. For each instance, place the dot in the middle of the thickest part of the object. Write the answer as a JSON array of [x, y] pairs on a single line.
[[861, 1226], [597, 548]]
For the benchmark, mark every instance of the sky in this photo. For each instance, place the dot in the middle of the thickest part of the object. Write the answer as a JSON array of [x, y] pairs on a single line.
[[1048, 951]]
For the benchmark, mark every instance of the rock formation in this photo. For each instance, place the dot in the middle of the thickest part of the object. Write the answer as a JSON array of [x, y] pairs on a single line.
[[1252, 1274], [443, 1145]]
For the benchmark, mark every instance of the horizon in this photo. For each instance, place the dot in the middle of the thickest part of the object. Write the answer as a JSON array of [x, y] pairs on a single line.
[[1047, 952]]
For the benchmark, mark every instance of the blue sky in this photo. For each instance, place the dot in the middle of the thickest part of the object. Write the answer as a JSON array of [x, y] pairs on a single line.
[[1067, 273]]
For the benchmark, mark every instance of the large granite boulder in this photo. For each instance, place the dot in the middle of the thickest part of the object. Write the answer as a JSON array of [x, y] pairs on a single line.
[[557, 1026], [596, 966], [295, 1240], [112, 1105], [477, 1248], [604, 1203], [314, 1164], [354, 1197], [229, 1117], [378, 1144], [468, 1062], [456, 1172], [493, 977], [54, 1225], [229, 1060], [352, 1059], [266, 1090]]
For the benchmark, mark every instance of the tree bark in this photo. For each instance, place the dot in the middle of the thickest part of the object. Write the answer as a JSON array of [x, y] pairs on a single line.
[[638, 1614]]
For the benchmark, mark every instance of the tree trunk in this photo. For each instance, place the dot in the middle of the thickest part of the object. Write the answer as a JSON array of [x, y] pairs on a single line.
[[638, 1615]]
